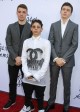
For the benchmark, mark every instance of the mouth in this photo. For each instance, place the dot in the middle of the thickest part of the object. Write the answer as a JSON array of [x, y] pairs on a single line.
[[64, 14], [35, 31]]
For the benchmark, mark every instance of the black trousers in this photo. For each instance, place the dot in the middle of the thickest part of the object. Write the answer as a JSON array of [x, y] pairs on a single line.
[[66, 75], [13, 74], [39, 93]]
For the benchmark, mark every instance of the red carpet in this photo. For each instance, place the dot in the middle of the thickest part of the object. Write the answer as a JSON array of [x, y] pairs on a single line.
[[20, 102]]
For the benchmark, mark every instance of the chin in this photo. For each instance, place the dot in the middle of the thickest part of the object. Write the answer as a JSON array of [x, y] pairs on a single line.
[[21, 19]]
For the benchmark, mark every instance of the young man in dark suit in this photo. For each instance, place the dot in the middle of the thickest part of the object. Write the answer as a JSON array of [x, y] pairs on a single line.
[[16, 34], [64, 42]]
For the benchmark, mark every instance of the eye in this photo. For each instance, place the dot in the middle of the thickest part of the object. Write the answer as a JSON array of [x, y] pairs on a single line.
[[24, 12], [19, 11], [36, 27]]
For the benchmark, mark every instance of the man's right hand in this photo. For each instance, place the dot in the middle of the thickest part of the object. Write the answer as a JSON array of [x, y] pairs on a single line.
[[18, 61], [59, 62]]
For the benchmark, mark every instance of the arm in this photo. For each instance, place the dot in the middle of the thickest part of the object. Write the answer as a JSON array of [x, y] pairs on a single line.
[[51, 39], [24, 61], [40, 74], [56, 59], [9, 43], [73, 46]]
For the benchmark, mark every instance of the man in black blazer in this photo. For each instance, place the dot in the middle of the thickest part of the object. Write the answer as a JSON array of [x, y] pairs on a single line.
[[16, 34], [64, 42]]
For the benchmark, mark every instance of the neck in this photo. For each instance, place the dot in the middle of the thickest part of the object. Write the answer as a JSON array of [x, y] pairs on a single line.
[[36, 36], [22, 22], [64, 20]]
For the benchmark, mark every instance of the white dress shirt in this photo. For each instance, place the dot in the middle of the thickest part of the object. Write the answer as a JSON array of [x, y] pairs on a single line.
[[63, 27]]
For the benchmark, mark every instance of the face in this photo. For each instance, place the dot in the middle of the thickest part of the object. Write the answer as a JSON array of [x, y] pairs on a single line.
[[36, 29], [65, 12], [21, 13]]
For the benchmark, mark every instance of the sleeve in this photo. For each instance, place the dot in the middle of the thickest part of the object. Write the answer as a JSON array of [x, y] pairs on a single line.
[[24, 61], [73, 46], [55, 59], [9, 43], [40, 74], [52, 40]]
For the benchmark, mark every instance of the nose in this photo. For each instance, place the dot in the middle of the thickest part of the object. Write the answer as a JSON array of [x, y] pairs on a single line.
[[36, 27]]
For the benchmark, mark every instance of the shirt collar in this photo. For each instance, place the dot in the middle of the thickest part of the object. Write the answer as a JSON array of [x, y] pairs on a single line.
[[36, 38]]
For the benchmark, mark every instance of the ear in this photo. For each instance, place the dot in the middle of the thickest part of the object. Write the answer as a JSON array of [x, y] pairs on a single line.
[[16, 13], [31, 28], [60, 11], [26, 13], [70, 14], [41, 29]]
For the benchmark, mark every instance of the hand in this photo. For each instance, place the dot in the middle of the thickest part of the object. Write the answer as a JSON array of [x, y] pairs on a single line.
[[31, 77], [60, 62], [18, 61]]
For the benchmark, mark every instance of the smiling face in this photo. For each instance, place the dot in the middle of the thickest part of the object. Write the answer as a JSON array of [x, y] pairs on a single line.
[[36, 29], [21, 13], [65, 12]]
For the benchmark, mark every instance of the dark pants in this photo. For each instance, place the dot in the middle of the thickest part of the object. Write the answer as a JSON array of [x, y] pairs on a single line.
[[66, 75], [39, 92], [13, 74]]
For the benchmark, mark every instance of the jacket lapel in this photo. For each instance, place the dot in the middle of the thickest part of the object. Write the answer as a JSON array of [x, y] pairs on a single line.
[[59, 29], [17, 28], [24, 30]]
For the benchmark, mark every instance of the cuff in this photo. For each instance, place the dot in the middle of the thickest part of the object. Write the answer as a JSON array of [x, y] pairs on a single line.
[[55, 59], [36, 77]]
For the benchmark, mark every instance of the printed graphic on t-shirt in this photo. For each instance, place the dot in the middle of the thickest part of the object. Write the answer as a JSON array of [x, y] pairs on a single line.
[[35, 58]]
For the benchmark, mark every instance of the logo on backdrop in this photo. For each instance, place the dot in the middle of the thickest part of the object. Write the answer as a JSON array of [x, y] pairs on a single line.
[[78, 95], [3, 51], [30, 18], [19, 80]]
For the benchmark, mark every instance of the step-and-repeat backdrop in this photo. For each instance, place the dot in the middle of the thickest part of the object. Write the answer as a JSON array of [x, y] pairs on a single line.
[[48, 11]]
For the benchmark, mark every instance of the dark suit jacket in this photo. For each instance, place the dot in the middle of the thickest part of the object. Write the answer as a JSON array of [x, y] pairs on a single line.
[[14, 42], [64, 47]]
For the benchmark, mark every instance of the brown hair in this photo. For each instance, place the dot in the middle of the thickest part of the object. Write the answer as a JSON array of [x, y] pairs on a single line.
[[22, 6], [67, 4]]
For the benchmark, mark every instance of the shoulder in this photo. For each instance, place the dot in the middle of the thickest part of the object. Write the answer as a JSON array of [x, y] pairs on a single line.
[[12, 24], [45, 41], [55, 23], [27, 24], [73, 23], [27, 40]]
